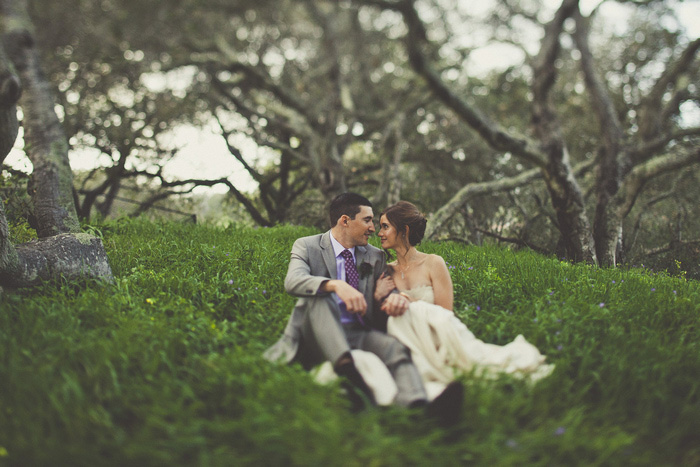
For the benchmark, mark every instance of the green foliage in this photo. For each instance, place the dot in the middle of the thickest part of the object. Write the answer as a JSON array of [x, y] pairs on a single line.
[[165, 367], [17, 206]]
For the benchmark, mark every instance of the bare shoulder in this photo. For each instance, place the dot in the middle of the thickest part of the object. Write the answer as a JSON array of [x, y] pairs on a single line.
[[435, 260]]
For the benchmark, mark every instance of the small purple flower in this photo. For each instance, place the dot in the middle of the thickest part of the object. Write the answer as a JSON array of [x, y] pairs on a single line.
[[675, 293], [264, 292], [559, 431], [470, 268], [613, 282], [559, 347], [534, 320], [478, 308], [601, 304], [230, 281], [551, 293], [226, 254], [653, 289]]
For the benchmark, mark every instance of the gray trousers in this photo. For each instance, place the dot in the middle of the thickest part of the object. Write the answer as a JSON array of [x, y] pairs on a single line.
[[325, 338]]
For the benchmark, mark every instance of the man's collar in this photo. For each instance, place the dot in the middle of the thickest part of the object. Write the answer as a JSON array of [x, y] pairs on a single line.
[[338, 248]]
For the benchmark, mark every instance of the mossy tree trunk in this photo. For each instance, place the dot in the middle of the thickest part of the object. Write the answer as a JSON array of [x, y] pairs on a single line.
[[62, 250]]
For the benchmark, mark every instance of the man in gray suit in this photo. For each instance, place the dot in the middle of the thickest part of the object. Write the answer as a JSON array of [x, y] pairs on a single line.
[[334, 274]]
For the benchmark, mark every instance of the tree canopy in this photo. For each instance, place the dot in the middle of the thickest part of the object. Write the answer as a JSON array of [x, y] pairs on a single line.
[[587, 127]]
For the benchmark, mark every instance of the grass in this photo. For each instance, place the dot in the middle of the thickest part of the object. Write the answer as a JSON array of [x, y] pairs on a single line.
[[164, 366]]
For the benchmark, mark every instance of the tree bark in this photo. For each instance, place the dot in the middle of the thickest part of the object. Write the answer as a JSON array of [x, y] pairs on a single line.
[[46, 145], [62, 250]]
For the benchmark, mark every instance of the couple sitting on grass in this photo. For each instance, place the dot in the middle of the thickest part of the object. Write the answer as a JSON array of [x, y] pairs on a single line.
[[387, 330]]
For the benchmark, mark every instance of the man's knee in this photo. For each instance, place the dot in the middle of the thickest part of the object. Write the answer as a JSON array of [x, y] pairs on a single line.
[[396, 353]]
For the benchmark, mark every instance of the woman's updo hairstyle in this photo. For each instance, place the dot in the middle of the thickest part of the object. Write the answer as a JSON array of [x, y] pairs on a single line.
[[404, 214]]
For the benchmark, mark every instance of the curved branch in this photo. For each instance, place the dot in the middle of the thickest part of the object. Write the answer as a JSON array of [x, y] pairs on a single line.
[[642, 173], [440, 218], [603, 106], [647, 148], [464, 195], [496, 136]]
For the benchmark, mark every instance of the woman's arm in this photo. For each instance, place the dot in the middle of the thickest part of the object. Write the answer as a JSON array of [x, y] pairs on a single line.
[[441, 281]]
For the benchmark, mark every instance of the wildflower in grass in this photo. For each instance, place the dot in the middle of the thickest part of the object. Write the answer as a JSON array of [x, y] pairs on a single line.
[[558, 320], [560, 431], [601, 304], [470, 268], [675, 293], [559, 347], [534, 320], [551, 293], [613, 282], [511, 443], [264, 292], [231, 282], [150, 301], [478, 308], [653, 289]]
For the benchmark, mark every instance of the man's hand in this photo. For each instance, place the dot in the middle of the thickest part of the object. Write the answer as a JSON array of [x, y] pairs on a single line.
[[385, 284], [354, 299], [395, 305]]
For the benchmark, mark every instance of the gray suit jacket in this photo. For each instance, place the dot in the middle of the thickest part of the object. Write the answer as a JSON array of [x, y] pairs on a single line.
[[312, 263]]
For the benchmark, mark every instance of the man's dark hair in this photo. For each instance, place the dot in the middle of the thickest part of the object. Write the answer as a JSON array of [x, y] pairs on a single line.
[[348, 204]]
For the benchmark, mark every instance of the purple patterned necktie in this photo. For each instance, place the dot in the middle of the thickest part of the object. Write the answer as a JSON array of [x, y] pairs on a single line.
[[352, 278]]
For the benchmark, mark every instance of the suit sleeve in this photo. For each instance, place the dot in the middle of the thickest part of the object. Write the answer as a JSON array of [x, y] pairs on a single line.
[[299, 281]]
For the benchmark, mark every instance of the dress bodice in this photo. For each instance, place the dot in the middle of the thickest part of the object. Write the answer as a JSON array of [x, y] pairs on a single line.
[[422, 292]]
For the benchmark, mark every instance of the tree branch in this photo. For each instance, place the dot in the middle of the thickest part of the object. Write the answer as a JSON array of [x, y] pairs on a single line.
[[497, 137], [644, 172]]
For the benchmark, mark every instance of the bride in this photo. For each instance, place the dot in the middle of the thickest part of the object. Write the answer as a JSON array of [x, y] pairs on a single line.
[[441, 345]]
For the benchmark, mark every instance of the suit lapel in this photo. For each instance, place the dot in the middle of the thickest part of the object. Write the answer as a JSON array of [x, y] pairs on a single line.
[[360, 253], [329, 255]]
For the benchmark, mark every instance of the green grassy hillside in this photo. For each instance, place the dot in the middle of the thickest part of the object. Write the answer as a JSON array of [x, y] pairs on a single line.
[[163, 367]]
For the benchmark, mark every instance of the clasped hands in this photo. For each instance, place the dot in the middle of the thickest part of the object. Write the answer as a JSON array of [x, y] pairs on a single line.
[[393, 305]]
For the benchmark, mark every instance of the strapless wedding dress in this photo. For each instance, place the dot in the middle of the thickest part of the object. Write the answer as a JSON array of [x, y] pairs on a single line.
[[442, 346]]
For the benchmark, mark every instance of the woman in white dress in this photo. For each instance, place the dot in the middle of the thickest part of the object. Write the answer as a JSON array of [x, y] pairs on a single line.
[[441, 345]]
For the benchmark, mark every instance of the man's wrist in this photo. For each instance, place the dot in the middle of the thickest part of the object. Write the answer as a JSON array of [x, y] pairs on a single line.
[[381, 300]]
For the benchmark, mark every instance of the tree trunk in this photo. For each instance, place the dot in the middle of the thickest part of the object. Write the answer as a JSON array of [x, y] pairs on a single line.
[[46, 145], [62, 250]]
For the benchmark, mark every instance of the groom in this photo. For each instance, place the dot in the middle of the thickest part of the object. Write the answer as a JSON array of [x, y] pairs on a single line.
[[334, 274]]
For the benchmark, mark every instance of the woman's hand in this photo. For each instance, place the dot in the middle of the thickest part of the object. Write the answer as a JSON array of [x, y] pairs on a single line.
[[395, 305], [383, 287]]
